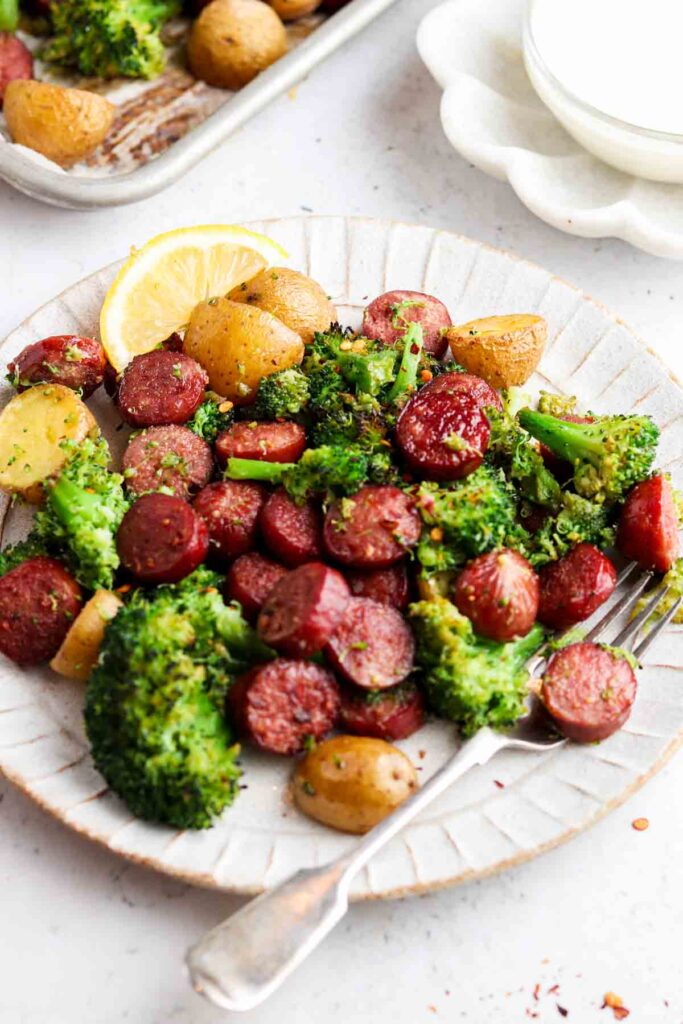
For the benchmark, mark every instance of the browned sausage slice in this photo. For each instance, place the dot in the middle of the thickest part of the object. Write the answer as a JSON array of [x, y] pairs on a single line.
[[372, 646], [443, 435], [589, 691], [390, 715], [161, 539], [464, 384], [250, 579], [172, 457], [388, 586], [278, 706], [575, 586], [387, 317], [67, 359], [373, 529], [231, 510], [273, 442], [38, 602], [161, 387], [292, 532], [303, 610]]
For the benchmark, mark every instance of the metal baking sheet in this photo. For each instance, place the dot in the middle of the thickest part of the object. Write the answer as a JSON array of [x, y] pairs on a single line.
[[164, 127]]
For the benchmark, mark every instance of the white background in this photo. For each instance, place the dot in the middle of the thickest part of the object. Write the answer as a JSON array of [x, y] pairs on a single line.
[[86, 938]]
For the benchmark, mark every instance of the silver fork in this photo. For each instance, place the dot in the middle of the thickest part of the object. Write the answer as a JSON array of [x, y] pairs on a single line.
[[246, 958]]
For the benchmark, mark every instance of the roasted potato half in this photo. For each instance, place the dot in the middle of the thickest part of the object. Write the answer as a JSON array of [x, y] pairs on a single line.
[[299, 301], [32, 427], [233, 40], [504, 350], [65, 125], [80, 648], [239, 344], [352, 782]]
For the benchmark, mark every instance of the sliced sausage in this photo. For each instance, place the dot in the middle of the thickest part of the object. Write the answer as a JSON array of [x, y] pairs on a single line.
[[15, 61], [443, 435], [648, 526], [250, 579], [303, 610], [388, 586], [278, 706], [498, 592], [589, 691], [575, 586], [273, 442], [231, 510], [161, 387], [38, 602], [372, 646], [172, 457], [67, 359], [161, 539], [464, 384], [387, 316], [373, 529], [292, 532], [392, 714]]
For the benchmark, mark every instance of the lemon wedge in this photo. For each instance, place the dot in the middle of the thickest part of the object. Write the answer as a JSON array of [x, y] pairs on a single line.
[[160, 284]]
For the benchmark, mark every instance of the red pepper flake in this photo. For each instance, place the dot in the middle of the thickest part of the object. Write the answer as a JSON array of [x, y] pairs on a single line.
[[124, 589], [497, 782], [426, 375], [422, 754], [432, 1009], [563, 1012], [640, 824], [553, 990], [616, 1004], [537, 991]]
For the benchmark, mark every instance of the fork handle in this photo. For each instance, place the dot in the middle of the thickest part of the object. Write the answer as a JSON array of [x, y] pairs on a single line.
[[243, 960]]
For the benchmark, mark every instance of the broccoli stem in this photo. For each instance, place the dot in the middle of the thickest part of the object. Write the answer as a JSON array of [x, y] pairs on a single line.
[[568, 440], [406, 378], [257, 469], [72, 503], [9, 15]]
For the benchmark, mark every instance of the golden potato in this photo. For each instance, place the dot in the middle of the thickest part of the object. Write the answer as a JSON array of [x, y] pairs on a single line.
[[504, 350], [238, 345], [65, 125], [352, 782], [290, 10], [80, 649], [32, 426], [297, 300], [233, 40]]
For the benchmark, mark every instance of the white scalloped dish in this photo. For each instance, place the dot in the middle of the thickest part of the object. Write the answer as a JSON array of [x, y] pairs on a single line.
[[478, 827], [493, 117]]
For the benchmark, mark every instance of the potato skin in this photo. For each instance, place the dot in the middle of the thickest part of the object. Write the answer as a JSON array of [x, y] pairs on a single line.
[[238, 345], [299, 301], [352, 782], [65, 125], [80, 648], [233, 40], [504, 350], [32, 426], [290, 10]]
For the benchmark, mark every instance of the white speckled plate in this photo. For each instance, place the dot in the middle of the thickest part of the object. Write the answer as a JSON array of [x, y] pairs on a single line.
[[479, 827], [492, 116]]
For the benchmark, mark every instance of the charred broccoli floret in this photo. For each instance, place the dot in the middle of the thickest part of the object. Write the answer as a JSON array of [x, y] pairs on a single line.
[[578, 520], [14, 554], [328, 471], [474, 682], [83, 509], [283, 395], [154, 709], [213, 416], [513, 449], [609, 455], [108, 38], [364, 365]]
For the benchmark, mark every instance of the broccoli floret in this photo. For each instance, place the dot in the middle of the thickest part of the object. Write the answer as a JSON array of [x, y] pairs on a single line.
[[283, 395], [108, 38], [472, 681], [365, 365], [14, 554], [578, 520], [83, 509], [467, 518], [213, 416], [609, 455], [154, 709], [556, 405], [328, 471], [513, 449]]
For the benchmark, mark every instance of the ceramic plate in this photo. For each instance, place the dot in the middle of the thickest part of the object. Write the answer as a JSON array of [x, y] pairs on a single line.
[[480, 826], [492, 116]]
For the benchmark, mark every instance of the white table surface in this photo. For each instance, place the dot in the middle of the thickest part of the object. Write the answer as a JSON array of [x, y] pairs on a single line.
[[86, 938]]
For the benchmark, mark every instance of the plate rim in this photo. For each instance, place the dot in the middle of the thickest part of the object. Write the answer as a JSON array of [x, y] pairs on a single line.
[[201, 878]]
